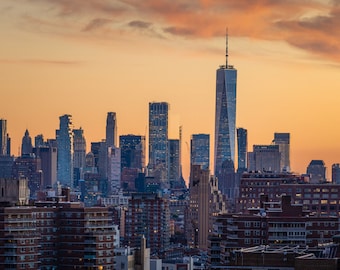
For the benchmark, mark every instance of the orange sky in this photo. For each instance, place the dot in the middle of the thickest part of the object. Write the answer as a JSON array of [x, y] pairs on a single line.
[[86, 58]]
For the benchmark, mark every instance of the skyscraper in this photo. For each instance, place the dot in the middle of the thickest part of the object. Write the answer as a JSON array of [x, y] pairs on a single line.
[[111, 129], [48, 159], [39, 140], [132, 151], [242, 148], [316, 171], [206, 202], [266, 158], [26, 145], [225, 115], [336, 173], [113, 169], [65, 151], [174, 161], [79, 147], [158, 137], [200, 150], [283, 141], [3, 137]]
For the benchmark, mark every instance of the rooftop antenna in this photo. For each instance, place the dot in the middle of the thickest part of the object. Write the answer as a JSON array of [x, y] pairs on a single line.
[[226, 48]]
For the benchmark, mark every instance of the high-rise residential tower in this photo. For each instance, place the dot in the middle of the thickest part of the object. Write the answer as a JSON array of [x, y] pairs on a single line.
[[65, 151], [111, 129], [3, 137], [158, 137], [225, 115], [283, 141], [200, 150], [242, 148]]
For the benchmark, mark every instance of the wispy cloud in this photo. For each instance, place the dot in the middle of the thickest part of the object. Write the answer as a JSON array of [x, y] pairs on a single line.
[[311, 25], [96, 23], [140, 24], [41, 62]]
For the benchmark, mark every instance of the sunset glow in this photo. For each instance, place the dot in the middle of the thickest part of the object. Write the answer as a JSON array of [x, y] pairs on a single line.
[[86, 58]]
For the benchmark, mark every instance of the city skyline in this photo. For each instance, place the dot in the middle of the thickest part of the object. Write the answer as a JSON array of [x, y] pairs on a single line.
[[91, 58]]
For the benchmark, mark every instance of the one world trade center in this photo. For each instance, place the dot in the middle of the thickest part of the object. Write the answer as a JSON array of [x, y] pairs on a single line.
[[225, 117]]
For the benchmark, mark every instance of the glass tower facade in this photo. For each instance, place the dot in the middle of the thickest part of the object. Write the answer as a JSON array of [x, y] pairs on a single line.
[[158, 134], [242, 148], [200, 150], [283, 141], [65, 151], [225, 117]]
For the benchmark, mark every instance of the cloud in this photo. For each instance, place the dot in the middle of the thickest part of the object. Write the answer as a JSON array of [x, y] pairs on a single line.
[[41, 61], [311, 25], [96, 23], [140, 24], [318, 34], [179, 31], [81, 7]]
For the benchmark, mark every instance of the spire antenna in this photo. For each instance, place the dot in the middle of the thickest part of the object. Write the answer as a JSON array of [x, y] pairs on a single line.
[[226, 48]]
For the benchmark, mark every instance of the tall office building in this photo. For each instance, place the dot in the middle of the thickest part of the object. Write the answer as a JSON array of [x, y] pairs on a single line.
[[242, 148], [174, 161], [3, 137], [26, 145], [200, 150], [283, 141], [48, 158], [79, 154], [65, 151], [225, 115], [39, 141], [132, 151], [266, 158], [111, 129], [113, 169], [158, 138], [206, 202], [316, 171], [79, 148]]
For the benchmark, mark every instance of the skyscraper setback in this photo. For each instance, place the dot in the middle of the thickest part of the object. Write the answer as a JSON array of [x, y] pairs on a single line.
[[225, 115]]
